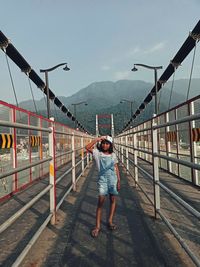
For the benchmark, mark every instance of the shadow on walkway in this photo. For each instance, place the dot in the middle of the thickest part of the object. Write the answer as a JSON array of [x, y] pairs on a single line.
[[132, 244]]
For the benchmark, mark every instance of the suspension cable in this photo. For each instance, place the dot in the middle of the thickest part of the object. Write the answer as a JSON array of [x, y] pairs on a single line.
[[12, 82], [191, 71], [31, 89], [172, 88]]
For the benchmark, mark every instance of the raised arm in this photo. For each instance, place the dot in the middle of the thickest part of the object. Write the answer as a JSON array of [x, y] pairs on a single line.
[[89, 147]]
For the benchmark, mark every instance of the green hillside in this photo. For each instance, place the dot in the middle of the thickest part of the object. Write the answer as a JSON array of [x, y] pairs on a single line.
[[104, 98]]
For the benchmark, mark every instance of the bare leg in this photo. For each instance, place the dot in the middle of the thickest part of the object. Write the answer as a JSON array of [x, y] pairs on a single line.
[[112, 210], [95, 231]]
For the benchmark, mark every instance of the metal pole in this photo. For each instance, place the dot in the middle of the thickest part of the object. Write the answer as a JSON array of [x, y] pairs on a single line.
[[156, 90], [193, 144], [52, 178], [112, 126], [127, 154], [131, 108], [97, 128], [135, 157], [75, 116], [47, 88], [82, 154], [122, 150], [168, 144], [73, 164], [155, 170], [14, 149]]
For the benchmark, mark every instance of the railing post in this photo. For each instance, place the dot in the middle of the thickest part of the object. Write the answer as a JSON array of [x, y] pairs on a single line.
[[82, 154], [177, 141], [155, 169], [135, 157], [122, 150], [193, 145], [127, 154], [118, 146], [145, 142], [73, 164], [87, 158], [88, 155], [132, 142], [139, 141], [30, 149], [41, 147], [52, 175], [14, 149], [168, 144]]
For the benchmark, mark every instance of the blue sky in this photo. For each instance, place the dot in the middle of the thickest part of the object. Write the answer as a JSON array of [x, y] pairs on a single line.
[[100, 40]]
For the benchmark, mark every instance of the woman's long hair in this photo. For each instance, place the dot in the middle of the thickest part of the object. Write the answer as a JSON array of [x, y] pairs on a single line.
[[110, 150]]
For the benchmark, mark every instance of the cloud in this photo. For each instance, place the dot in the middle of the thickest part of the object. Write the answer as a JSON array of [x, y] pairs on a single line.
[[105, 68], [137, 50], [155, 48], [142, 51], [134, 51], [121, 75]]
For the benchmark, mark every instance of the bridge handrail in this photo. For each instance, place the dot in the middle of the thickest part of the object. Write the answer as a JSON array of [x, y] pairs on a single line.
[[182, 120], [183, 203], [14, 217], [147, 141], [60, 151], [23, 126], [182, 162], [19, 169], [165, 188]]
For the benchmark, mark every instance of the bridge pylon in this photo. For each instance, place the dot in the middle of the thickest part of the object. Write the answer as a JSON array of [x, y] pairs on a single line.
[[109, 125]]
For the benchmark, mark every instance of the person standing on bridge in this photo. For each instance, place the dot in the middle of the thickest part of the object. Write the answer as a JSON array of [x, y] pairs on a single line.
[[108, 178]]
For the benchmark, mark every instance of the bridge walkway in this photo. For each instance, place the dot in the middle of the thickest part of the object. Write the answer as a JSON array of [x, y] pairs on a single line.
[[140, 240]]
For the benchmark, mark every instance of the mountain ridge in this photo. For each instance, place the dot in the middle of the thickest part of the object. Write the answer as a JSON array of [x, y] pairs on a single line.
[[104, 97]]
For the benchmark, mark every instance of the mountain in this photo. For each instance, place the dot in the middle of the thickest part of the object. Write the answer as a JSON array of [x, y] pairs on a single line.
[[104, 98], [104, 94]]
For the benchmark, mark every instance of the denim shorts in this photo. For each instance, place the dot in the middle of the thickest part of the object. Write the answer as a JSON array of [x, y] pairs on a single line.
[[105, 187]]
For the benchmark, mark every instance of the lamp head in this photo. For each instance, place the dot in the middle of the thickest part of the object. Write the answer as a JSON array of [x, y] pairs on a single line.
[[134, 68], [66, 68]]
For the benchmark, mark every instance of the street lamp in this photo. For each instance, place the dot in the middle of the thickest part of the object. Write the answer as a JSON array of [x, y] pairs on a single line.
[[47, 82], [131, 104], [76, 104], [155, 68]]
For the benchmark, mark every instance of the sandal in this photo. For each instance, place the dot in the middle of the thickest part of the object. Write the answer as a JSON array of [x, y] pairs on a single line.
[[95, 232], [112, 226]]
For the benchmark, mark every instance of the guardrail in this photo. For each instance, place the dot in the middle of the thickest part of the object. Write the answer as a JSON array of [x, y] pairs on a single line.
[[178, 139], [64, 147], [144, 141]]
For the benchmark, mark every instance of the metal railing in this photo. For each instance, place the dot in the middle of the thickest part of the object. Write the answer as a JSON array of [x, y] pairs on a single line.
[[144, 142], [178, 138], [72, 154]]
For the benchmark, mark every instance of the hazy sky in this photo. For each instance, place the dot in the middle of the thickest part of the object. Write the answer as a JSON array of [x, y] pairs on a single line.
[[100, 40]]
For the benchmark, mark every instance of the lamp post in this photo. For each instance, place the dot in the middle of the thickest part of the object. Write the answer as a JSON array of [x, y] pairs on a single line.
[[47, 82], [131, 104], [155, 68], [76, 104]]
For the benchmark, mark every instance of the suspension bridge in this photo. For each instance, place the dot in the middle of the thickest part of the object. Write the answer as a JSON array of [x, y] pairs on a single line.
[[48, 181]]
